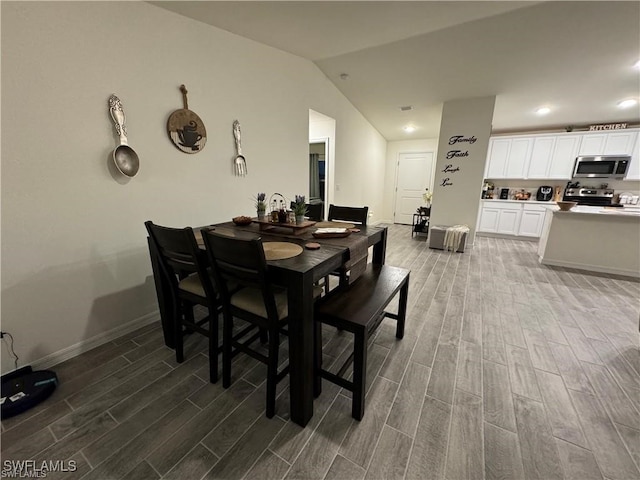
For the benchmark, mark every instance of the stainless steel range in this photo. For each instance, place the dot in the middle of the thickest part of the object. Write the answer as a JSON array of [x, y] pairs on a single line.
[[589, 196]]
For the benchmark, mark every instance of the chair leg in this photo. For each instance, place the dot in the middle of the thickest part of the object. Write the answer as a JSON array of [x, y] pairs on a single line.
[[402, 309], [272, 371], [317, 358], [359, 374], [264, 336], [178, 310], [189, 316], [213, 345], [227, 334]]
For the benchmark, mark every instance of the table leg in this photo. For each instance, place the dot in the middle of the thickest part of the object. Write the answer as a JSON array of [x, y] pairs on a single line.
[[300, 292], [380, 249]]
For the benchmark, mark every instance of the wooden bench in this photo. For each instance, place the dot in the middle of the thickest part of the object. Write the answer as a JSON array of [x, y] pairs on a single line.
[[359, 308]]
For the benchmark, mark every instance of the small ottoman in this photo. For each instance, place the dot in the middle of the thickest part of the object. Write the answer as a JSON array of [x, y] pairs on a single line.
[[437, 235]]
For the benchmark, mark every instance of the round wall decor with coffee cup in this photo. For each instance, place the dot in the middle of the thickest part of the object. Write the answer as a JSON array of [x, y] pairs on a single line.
[[185, 128]]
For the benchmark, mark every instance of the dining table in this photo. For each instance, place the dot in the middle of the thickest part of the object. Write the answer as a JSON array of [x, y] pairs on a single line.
[[298, 274]]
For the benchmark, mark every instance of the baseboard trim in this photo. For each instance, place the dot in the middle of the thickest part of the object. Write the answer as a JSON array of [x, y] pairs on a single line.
[[507, 237], [93, 342], [590, 268]]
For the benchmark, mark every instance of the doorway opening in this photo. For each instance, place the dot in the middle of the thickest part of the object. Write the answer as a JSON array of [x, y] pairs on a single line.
[[322, 131]]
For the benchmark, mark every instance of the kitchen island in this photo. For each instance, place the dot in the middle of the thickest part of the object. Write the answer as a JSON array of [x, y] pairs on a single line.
[[592, 238]]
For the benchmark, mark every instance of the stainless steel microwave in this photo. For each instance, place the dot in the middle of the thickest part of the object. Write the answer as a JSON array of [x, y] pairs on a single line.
[[601, 166]]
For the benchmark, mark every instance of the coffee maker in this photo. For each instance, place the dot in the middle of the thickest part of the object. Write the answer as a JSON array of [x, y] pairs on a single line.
[[544, 193]]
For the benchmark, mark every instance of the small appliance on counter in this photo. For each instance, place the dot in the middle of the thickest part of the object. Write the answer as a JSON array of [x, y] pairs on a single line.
[[487, 190], [504, 194], [544, 193]]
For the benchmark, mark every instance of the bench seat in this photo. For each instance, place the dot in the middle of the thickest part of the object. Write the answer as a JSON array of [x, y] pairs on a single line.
[[359, 308]]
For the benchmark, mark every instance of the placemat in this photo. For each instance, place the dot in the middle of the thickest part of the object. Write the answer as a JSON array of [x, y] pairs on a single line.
[[281, 250], [334, 225]]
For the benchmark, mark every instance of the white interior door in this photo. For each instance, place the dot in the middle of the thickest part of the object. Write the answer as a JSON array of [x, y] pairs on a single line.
[[413, 176]]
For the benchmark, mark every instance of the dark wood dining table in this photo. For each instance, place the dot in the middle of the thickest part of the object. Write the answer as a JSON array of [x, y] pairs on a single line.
[[298, 274]]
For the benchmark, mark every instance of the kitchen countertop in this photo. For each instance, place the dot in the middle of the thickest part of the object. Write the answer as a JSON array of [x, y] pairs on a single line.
[[488, 200], [626, 211]]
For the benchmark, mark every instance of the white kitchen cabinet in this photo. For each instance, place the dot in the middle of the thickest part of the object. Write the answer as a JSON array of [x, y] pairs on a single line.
[[489, 217], [618, 142], [508, 157], [500, 217], [564, 157], [633, 173], [512, 218], [531, 220], [553, 157], [509, 221]]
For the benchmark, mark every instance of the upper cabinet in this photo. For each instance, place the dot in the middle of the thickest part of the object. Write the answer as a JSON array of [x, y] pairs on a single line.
[[634, 166], [552, 156], [508, 157], [618, 142]]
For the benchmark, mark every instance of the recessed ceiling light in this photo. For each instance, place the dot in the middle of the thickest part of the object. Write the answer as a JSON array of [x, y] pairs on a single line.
[[406, 108], [344, 76], [628, 103], [409, 128], [543, 110]]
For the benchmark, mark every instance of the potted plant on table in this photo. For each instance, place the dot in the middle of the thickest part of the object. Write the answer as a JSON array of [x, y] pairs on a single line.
[[300, 208], [261, 205]]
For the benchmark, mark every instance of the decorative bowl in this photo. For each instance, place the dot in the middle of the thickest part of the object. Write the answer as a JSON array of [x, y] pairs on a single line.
[[242, 220], [566, 206]]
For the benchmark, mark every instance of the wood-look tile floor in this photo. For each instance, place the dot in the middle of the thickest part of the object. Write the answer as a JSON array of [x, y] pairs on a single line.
[[508, 370]]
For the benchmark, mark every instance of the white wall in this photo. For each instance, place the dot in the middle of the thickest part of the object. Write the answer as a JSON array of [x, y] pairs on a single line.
[[394, 149], [75, 266], [456, 194]]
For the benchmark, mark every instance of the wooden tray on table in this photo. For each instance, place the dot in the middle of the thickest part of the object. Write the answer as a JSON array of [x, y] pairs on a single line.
[[331, 233], [291, 228]]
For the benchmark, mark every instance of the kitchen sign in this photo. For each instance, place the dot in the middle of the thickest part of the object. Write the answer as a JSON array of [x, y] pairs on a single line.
[[608, 126]]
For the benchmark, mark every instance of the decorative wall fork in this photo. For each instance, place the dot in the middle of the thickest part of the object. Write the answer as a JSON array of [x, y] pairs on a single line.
[[240, 163]]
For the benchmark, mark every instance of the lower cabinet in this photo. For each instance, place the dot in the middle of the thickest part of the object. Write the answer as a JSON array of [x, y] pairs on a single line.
[[510, 218], [531, 221], [500, 217]]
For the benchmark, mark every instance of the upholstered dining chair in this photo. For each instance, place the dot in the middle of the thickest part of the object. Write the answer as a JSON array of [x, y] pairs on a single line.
[[241, 262], [184, 267]]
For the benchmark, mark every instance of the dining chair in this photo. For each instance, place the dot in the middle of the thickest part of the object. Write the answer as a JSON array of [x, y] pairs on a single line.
[[241, 261], [315, 211], [184, 268], [355, 215]]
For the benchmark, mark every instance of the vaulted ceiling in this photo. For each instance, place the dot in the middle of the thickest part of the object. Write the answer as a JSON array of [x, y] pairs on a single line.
[[575, 57]]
